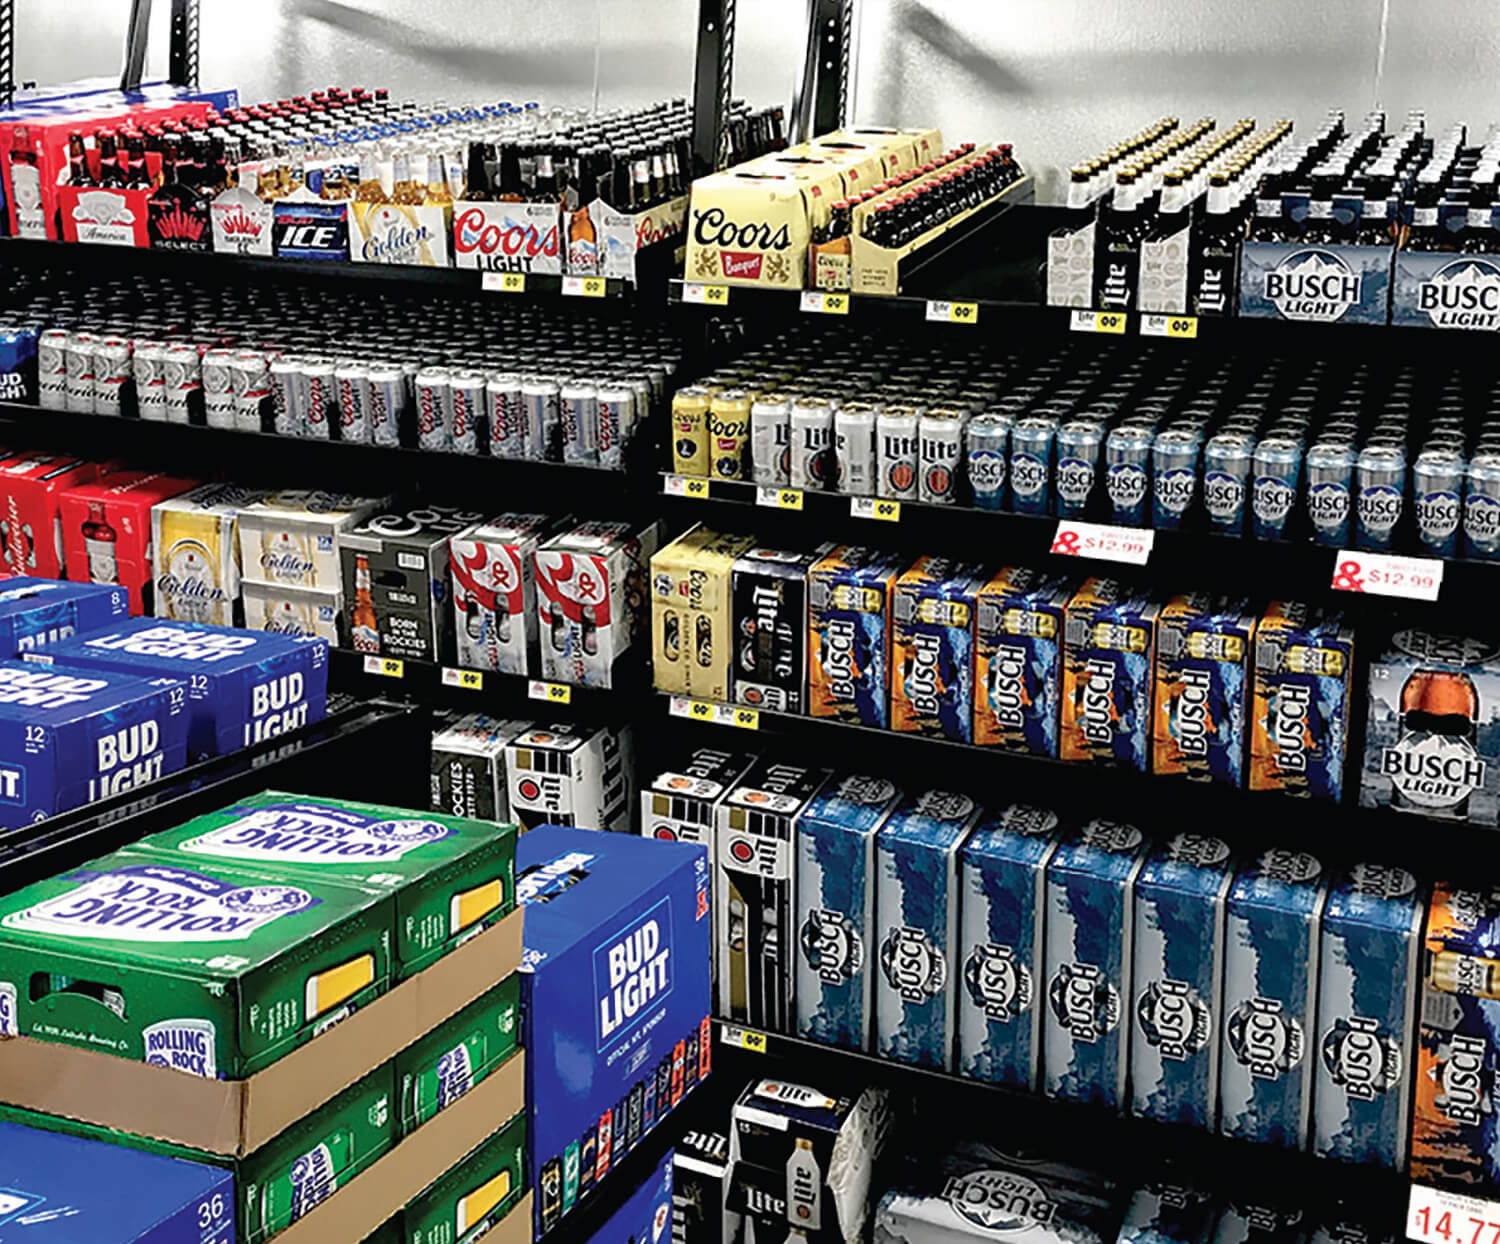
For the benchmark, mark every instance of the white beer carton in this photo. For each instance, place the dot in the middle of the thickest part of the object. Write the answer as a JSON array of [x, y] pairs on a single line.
[[569, 775]]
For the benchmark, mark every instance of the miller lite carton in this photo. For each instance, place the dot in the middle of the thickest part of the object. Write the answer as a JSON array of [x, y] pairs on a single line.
[[292, 538], [1177, 975], [460, 1053], [848, 634], [1299, 729], [494, 592], [1088, 927], [1270, 993], [836, 871], [476, 1193], [932, 648], [1168, 1213], [106, 530], [570, 775], [755, 902], [692, 627], [700, 1190], [916, 911], [1109, 648], [1368, 978], [38, 612], [618, 939], [243, 687], [69, 737], [468, 766], [1018, 635], [1002, 876], [195, 541], [31, 533], [681, 803], [769, 588], [1202, 688]]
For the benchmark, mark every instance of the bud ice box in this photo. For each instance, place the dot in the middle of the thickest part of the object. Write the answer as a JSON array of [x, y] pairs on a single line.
[[69, 737], [106, 530], [292, 538], [1002, 873], [849, 646], [836, 870], [770, 628], [693, 640], [31, 533], [570, 775], [1201, 701], [614, 995], [37, 612], [1270, 991], [1109, 648], [195, 543], [243, 686], [468, 766], [916, 915], [1368, 978], [494, 592], [1018, 632], [439, 1068], [932, 648], [211, 969], [451, 878]]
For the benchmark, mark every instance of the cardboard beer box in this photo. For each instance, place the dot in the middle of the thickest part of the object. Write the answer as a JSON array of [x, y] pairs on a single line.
[[399, 233], [308, 612], [31, 488], [565, 774], [106, 529], [292, 538], [195, 540], [468, 765], [681, 803], [932, 648], [700, 1190], [849, 638], [1169, 1213], [1018, 635], [692, 624], [901, 150], [38, 612], [494, 592], [1202, 693], [1109, 651], [646, 1217], [770, 661], [439, 1068]]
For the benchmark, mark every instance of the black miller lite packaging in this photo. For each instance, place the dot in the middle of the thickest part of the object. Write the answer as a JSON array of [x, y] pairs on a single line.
[[769, 592], [570, 775], [700, 1191]]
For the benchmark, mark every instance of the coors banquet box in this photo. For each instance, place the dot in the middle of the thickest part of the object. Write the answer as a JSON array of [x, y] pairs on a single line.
[[691, 614], [614, 997], [38, 612]]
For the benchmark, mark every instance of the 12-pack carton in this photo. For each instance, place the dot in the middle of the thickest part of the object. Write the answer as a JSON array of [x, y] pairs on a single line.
[[681, 803], [461, 1206], [196, 553], [440, 1067], [769, 587], [1108, 653], [1018, 634], [691, 616], [932, 648], [494, 592], [468, 766], [1202, 691], [564, 774], [106, 530], [292, 538], [848, 629], [31, 488], [700, 1190], [38, 612]]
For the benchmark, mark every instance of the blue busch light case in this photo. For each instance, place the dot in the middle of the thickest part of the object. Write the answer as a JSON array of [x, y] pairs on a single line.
[[1002, 879], [1168, 1213], [244, 687], [1088, 956], [38, 612], [59, 1189], [1270, 990], [1368, 980], [836, 909], [1177, 970], [71, 736], [614, 996], [916, 908], [1263, 1221], [1315, 284]]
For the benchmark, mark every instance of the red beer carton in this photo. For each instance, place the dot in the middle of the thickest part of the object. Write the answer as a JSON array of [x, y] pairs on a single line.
[[30, 523], [106, 530]]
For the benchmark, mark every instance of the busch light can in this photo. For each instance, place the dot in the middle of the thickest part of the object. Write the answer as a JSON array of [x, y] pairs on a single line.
[[1437, 478], [1380, 491], [1482, 506], [1127, 473], [1078, 445], [1330, 491], [988, 439], [1174, 476], [1278, 471], [1032, 441], [1228, 460]]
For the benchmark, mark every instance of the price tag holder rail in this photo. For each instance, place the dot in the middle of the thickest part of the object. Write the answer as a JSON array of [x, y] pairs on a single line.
[[716, 714], [746, 1039]]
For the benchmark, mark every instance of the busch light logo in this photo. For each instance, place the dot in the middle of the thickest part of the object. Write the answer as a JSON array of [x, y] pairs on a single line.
[[1174, 489], [1173, 1019], [633, 974], [1482, 519], [914, 966], [1462, 294], [1028, 821], [869, 791], [1112, 836], [1083, 1001], [998, 1200], [1313, 285], [182, 1044], [832, 946], [314, 1180], [998, 982], [1264, 1038], [1223, 494], [291, 833], [1290, 867], [1446, 649], [1436, 771], [1200, 850], [1437, 515], [1328, 505], [455, 1076], [944, 805], [1465, 1083], [1126, 485], [986, 472], [1379, 508], [837, 655], [923, 681], [1361, 1059], [1382, 881], [1274, 498], [1075, 480], [1028, 474]]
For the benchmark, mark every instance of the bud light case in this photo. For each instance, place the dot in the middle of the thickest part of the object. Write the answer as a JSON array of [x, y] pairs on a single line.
[[18, 378], [916, 910], [1202, 688], [1270, 991], [1368, 978], [614, 993], [1018, 634], [932, 648], [1315, 284], [836, 836], [1177, 973], [244, 687], [1002, 876], [1109, 648], [1089, 920], [848, 629], [38, 612]]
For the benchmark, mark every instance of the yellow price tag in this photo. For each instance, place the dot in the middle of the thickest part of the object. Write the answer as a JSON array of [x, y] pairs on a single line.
[[699, 710], [1182, 326], [744, 1039], [709, 295], [746, 719], [584, 286], [943, 312], [696, 486], [386, 667], [778, 498], [467, 680], [875, 507], [1109, 322], [835, 304], [550, 692]]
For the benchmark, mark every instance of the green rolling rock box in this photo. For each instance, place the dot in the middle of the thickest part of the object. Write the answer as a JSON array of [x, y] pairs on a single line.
[[461, 1206], [438, 1069]]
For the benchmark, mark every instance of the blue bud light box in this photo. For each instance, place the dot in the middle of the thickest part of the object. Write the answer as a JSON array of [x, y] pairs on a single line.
[[615, 998]]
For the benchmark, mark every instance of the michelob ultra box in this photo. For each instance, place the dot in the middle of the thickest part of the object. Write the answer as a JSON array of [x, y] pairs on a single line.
[[452, 878], [243, 687], [31, 488], [1109, 647], [848, 634], [1201, 694], [212, 969], [932, 648], [461, 1206], [916, 912], [439, 1068], [692, 624], [1169, 1213], [564, 774], [69, 737], [836, 871], [1177, 975], [106, 530], [1002, 872], [1270, 994], [292, 538], [769, 590], [194, 537], [468, 765], [681, 803], [1299, 728], [38, 612], [615, 998], [1368, 977], [494, 592], [1088, 927], [1018, 634], [755, 902]]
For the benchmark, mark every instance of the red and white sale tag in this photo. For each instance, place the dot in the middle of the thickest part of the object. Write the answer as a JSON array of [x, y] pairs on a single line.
[[1383, 574], [1112, 544], [1437, 1217]]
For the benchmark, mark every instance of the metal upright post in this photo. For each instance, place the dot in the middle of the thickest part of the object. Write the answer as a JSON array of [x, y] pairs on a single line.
[[7, 53], [137, 35], [712, 85], [183, 62], [830, 44]]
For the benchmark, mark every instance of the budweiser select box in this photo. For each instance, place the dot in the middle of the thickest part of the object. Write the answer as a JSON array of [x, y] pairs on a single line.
[[38, 612]]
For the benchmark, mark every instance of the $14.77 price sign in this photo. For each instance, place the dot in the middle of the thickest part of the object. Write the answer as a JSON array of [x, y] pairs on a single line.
[[1382, 574], [1112, 544], [1437, 1217]]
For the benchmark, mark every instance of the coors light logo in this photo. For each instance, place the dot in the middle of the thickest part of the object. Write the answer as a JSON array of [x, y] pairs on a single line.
[[1313, 285], [1462, 294]]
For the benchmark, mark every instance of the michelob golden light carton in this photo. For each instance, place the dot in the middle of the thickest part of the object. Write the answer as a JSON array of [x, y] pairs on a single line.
[[197, 562]]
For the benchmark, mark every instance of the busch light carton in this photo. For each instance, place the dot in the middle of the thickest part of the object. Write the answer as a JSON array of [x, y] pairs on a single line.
[[1168, 1213], [1445, 290], [932, 648], [755, 903], [769, 587], [212, 969], [244, 687], [1109, 648], [1018, 634], [1262, 1221], [848, 635], [1177, 972], [1367, 999], [681, 804], [1315, 284], [452, 878], [1270, 991], [615, 998], [836, 909], [38, 612], [69, 737], [700, 1190], [1201, 698], [462, 1206], [1002, 878], [1089, 919], [438, 1069], [916, 911], [468, 765]]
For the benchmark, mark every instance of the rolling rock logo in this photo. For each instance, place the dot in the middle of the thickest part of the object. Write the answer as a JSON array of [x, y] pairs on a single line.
[[999, 983], [1084, 1001], [999, 1200], [1173, 1019], [1361, 1059], [1264, 1039], [1462, 294], [638, 973], [1313, 285], [832, 945], [293, 834]]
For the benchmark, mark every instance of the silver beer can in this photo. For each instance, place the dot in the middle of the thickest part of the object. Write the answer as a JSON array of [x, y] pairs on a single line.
[[52, 369], [111, 374], [353, 382], [80, 382], [577, 408], [771, 439], [466, 406], [320, 398], [615, 408], [218, 388], [182, 368], [287, 415], [434, 402], [507, 422], [250, 373], [148, 361], [539, 404], [386, 399]]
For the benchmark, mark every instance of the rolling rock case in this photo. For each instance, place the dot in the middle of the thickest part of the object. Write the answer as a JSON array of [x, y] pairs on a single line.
[[461, 1206], [614, 998], [439, 1068], [700, 1191], [38, 612], [468, 766]]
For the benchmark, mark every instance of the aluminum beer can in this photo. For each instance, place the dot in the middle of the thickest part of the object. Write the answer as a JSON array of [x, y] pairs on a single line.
[[771, 439], [811, 462], [148, 360], [1079, 442], [1278, 475], [111, 374], [353, 381], [640, 409], [690, 430], [1032, 442], [728, 433], [385, 400], [182, 367], [1228, 464], [616, 413], [1330, 490], [940, 441], [502, 392], [1174, 476], [1482, 506], [80, 383], [1437, 478], [52, 369], [854, 449], [578, 409], [218, 388], [250, 378], [466, 405], [1379, 494], [540, 402], [287, 415], [320, 398], [987, 441], [434, 407], [897, 454]]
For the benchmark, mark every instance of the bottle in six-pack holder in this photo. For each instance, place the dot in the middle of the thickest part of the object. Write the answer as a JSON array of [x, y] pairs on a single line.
[[468, 765]]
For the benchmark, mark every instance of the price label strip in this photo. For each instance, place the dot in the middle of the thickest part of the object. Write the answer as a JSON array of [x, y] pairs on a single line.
[[1434, 1216], [716, 714], [818, 302], [875, 507], [550, 692], [583, 286], [694, 486], [776, 498], [1183, 327], [468, 680], [1098, 322], [705, 295], [743, 1039], [1131, 545], [1383, 574], [939, 312], [386, 667], [503, 282]]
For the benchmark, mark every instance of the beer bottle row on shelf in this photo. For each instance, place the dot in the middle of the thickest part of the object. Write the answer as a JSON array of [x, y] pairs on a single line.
[[1086, 670], [1376, 454]]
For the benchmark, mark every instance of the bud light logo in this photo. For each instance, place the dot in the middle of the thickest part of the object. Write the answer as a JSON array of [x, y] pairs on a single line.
[[998, 982], [1264, 1039], [914, 966], [1462, 294], [1175, 1021], [1083, 1001], [633, 975], [999, 1200], [832, 946], [1360, 1059], [1313, 285]]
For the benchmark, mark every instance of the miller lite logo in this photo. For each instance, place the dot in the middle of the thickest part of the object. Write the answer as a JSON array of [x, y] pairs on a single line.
[[1462, 294], [999, 1200], [1313, 285]]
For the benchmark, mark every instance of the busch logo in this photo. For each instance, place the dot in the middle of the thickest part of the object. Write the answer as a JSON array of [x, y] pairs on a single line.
[[1075, 479], [1464, 1083], [832, 946], [1361, 1059], [1313, 285], [1290, 867], [1482, 519], [1200, 850], [1007, 686], [986, 472], [1096, 717], [1462, 294], [1274, 498], [1437, 515], [1382, 880], [999, 1200], [1193, 723], [922, 683], [1173, 1019], [1328, 505], [1289, 707], [1084, 1001], [1028, 474], [998, 982], [914, 966], [1126, 485], [1223, 494], [1379, 506], [837, 654], [1264, 1039], [1174, 489], [1434, 771]]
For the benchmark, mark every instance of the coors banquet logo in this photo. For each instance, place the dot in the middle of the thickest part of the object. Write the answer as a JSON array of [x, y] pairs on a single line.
[[1462, 294], [748, 250]]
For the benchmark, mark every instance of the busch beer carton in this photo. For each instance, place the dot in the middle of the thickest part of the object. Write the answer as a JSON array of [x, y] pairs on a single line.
[[292, 538], [692, 645], [769, 587], [848, 634], [462, 1206], [836, 871], [680, 804], [468, 766], [1202, 692], [932, 648], [1109, 648], [1177, 975], [38, 612], [31, 488], [1299, 729], [1270, 991], [1002, 875], [1018, 634], [195, 541], [494, 592], [1168, 1213], [439, 1068], [1367, 1002], [916, 910], [106, 530], [570, 775]]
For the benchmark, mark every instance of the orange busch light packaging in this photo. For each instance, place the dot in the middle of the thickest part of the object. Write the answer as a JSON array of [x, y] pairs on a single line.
[[1109, 643], [1202, 688], [1299, 722]]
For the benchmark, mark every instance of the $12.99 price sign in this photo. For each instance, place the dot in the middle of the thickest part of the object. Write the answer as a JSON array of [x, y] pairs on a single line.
[[1382, 574], [1434, 1216], [1113, 544]]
